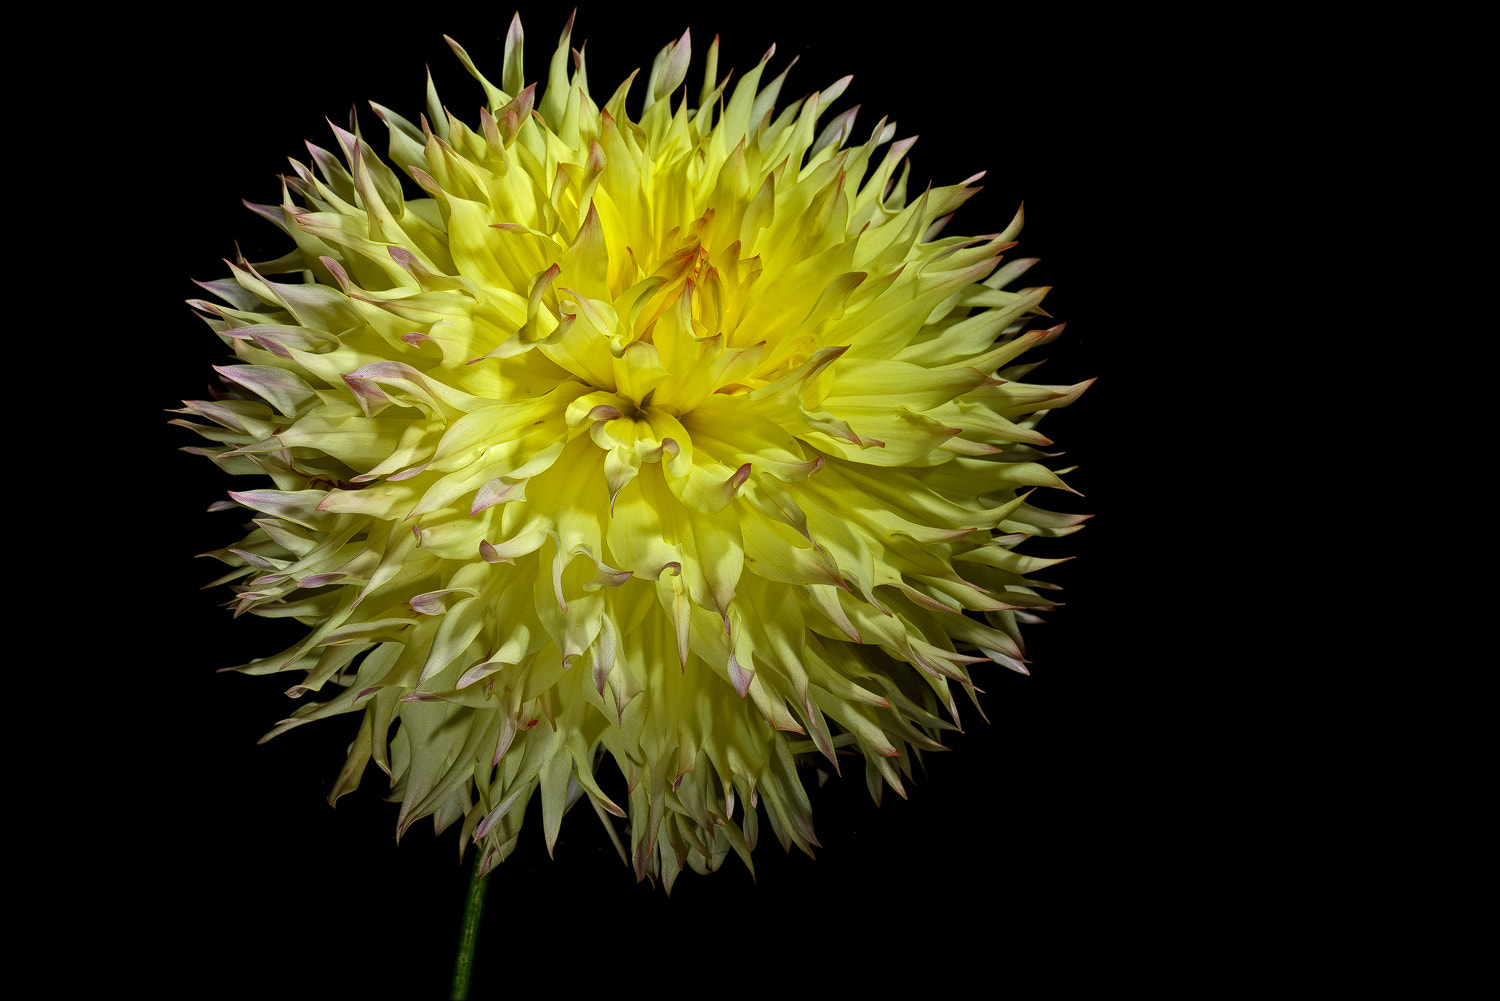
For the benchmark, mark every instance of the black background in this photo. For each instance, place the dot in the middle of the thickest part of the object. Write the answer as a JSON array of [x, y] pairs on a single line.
[[1034, 849]]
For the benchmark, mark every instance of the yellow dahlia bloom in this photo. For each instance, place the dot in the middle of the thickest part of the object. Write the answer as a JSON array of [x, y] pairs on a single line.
[[682, 442]]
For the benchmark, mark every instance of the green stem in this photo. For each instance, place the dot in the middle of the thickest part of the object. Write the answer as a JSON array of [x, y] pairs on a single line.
[[463, 965]]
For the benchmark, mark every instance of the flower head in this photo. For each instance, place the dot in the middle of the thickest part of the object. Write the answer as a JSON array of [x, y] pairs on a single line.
[[682, 442]]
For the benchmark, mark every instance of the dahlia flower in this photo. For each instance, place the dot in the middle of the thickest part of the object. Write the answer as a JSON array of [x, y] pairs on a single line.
[[631, 460]]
